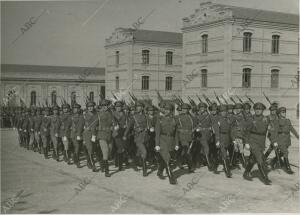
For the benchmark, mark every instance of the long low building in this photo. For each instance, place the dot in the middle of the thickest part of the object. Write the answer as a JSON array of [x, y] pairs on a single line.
[[35, 84]]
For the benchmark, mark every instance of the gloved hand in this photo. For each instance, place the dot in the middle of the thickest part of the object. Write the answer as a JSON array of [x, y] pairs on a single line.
[[124, 138], [275, 144], [157, 148], [116, 127], [247, 146], [93, 138], [78, 138], [64, 138], [25, 130], [56, 135], [151, 129], [198, 130], [218, 144], [176, 148]]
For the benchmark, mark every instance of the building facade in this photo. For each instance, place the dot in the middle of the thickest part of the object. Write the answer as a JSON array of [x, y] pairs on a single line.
[[35, 84], [241, 51], [142, 61]]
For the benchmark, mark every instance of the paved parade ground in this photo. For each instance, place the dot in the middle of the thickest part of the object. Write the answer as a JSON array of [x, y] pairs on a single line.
[[34, 185]]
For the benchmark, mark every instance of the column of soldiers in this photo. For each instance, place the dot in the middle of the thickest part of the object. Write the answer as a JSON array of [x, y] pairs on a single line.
[[140, 135]]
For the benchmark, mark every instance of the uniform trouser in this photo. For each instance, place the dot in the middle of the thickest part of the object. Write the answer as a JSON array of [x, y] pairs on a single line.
[[38, 139], [150, 148], [224, 149], [25, 138], [20, 137], [106, 148], [131, 147], [89, 145], [76, 145], [185, 155], [32, 139], [120, 144], [239, 147], [258, 153], [66, 143], [283, 147], [141, 150], [165, 147], [55, 142], [45, 140]]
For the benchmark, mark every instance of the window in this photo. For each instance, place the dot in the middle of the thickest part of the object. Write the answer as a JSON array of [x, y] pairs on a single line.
[[117, 83], [298, 79], [169, 81], [247, 42], [53, 98], [102, 91], [91, 97], [246, 78], [204, 43], [274, 78], [145, 82], [204, 77], [117, 58], [145, 56], [73, 98], [33, 98], [169, 58], [275, 44]]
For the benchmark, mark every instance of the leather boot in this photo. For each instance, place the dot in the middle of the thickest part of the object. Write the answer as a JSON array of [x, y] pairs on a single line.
[[117, 160], [244, 163], [65, 156], [287, 166], [160, 170], [233, 162], [268, 152], [120, 161], [172, 180], [94, 169], [209, 166], [190, 164], [76, 160], [277, 153], [273, 163], [88, 162], [57, 155], [264, 175], [248, 169], [226, 168], [144, 168], [54, 155], [135, 164], [102, 165], [68, 157], [45, 152], [106, 168]]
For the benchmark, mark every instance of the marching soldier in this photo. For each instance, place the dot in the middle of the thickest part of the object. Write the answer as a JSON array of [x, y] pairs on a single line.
[[31, 128], [284, 138], [104, 124], [151, 121], [165, 132], [37, 129], [76, 132], [25, 127], [55, 132], [213, 150], [185, 128], [247, 111], [221, 129], [65, 129], [138, 124], [255, 141], [45, 131]]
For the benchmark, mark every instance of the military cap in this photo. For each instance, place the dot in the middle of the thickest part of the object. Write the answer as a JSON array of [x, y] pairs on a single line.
[[106, 102], [223, 108], [247, 106], [169, 106], [47, 108], [139, 104], [259, 105], [90, 104], [179, 108], [273, 107], [161, 104], [281, 109], [150, 108], [185, 106], [213, 106], [230, 106], [66, 106], [202, 104], [76, 106], [55, 107], [118, 104], [238, 106], [132, 107]]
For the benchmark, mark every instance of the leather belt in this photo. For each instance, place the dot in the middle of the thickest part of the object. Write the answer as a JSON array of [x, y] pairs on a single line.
[[261, 134]]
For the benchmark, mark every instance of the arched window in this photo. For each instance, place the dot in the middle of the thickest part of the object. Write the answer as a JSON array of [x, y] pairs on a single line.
[[73, 98], [274, 78], [33, 98], [91, 97], [145, 56], [169, 81], [53, 98], [117, 58], [169, 58], [247, 42], [275, 44], [246, 78], [204, 43], [203, 77]]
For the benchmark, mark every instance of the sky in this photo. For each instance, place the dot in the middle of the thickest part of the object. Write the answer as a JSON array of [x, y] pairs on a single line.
[[73, 33]]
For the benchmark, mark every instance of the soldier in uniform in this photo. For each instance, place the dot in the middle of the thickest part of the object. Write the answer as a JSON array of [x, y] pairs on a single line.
[[65, 129], [255, 141], [165, 135], [31, 128], [55, 132], [238, 130], [185, 135], [104, 124], [76, 132], [213, 150], [138, 123], [247, 111], [89, 133], [37, 129], [45, 130], [150, 145], [221, 129], [284, 128], [25, 127]]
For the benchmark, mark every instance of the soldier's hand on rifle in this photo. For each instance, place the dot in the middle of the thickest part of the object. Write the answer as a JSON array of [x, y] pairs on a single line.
[[93, 138], [218, 144], [157, 148], [124, 138], [176, 148], [116, 127], [275, 144], [78, 138], [247, 146], [151, 129]]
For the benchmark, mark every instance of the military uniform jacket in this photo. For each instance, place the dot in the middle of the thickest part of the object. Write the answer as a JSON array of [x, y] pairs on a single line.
[[222, 129], [120, 120], [19, 122], [55, 125], [238, 127], [89, 127], [204, 125], [45, 126], [31, 123], [257, 130], [165, 132], [104, 125], [185, 127], [25, 124], [37, 123], [139, 125], [284, 127], [66, 123], [151, 122], [77, 125]]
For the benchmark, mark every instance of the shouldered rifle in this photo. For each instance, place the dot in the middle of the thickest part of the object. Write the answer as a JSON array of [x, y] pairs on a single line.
[[199, 99], [250, 99], [232, 100], [239, 99], [224, 99], [217, 98], [267, 98], [206, 99]]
